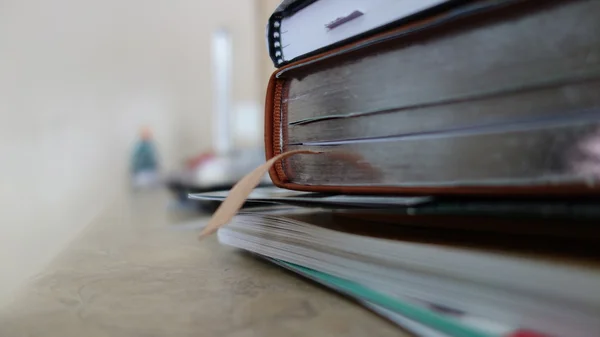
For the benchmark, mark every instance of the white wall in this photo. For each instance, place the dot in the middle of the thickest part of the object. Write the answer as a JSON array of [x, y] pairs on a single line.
[[78, 78]]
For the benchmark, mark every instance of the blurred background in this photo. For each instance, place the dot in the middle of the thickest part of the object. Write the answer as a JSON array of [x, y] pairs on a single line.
[[81, 80]]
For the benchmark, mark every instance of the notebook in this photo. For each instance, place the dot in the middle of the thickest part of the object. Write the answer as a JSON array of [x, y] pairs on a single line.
[[554, 291], [496, 97], [303, 27], [552, 209], [276, 195], [421, 319]]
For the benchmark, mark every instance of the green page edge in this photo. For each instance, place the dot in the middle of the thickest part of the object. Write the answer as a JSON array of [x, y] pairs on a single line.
[[421, 315]]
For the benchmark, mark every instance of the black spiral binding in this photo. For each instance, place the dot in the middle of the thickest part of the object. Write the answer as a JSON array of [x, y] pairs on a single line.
[[276, 49]]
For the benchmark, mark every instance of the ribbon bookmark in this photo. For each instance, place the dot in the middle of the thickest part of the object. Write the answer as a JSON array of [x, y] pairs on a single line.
[[240, 192]]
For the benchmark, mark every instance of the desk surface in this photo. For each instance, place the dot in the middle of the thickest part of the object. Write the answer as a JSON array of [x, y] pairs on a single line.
[[138, 270]]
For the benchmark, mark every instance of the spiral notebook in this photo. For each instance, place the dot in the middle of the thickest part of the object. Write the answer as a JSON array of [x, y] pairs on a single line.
[[541, 283]]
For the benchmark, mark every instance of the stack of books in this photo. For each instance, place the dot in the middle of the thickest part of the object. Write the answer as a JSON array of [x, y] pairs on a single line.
[[437, 267], [453, 180]]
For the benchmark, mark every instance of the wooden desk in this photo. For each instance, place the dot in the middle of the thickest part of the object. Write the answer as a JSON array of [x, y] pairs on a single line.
[[137, 271]]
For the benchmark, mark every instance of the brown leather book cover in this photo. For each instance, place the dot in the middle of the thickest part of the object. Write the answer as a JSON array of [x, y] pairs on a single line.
[[475, 15]]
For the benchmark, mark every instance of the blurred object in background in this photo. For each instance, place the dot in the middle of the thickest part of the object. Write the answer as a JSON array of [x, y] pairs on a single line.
[[210, 172], [235, 149], [144, 162]]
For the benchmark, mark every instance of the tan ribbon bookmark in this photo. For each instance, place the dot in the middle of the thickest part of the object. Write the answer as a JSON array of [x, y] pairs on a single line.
[[240, 192]]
